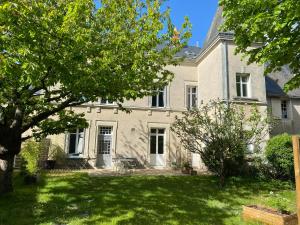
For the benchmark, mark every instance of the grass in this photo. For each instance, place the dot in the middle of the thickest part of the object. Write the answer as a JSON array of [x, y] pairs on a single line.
[[76, 198]]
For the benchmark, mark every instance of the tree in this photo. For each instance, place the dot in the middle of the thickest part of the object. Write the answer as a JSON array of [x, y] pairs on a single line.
[[221, 133], [274, 26], [62, 53]]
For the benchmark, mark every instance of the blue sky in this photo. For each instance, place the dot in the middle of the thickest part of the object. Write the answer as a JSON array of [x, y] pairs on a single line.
[[200, 13]]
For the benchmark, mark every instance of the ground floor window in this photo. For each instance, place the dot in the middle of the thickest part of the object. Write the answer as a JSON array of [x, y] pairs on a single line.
[[157, 140], [76, 142], [284, 109]]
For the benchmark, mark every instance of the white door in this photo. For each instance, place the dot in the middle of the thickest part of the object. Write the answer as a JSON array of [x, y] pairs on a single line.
[[196, 160], [105, 147], [157, 147]]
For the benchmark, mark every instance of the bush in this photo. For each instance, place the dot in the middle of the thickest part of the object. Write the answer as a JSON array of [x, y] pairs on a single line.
[[261, 168], [31, 153], [233, 158], [279, 153], [220, 133]]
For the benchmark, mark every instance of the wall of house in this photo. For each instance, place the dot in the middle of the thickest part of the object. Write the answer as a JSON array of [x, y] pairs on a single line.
[[184, 75], [210, 79], [257, 79], [131, 130], [289, 125], [130, 134]]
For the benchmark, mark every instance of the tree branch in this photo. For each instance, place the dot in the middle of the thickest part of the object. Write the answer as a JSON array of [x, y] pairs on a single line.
[[26, 138], [44, 115]]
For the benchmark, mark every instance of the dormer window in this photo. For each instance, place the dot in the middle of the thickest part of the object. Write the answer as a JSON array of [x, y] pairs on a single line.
[[242, 85]]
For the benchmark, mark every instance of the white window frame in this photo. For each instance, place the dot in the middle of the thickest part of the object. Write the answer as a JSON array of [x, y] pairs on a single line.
[[110, 135], [157, 134], [114, 125], [76, 154], [239, 85], [165, 98], [189, 96], [167, 156], [286, 115]]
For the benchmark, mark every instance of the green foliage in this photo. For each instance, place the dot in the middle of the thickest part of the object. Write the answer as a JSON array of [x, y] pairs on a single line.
[[58, 54], [260, 168], [279, 153], [273, 25], [31, 153], [220, 133]]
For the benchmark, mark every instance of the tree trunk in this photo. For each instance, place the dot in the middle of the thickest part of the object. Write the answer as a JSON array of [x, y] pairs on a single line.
[[221, 180], [222, 173], [10, 145], [6, 173]]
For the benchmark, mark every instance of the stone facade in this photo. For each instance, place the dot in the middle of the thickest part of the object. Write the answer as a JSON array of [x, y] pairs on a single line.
[[144, 137]]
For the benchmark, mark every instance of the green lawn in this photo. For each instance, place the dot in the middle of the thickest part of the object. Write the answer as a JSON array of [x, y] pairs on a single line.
[[79, 199]]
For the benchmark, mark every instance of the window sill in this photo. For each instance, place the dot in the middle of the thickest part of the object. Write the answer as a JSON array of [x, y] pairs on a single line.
[[109, 105], [284, 119], [191, 108], [245, 99], [157, 107], [160, 108], [75, 156]]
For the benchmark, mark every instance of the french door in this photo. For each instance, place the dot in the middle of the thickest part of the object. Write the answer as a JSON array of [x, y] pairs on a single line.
[[157, 147], [105, 146]]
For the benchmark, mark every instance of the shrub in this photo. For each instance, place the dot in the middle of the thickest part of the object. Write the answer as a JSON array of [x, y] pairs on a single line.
[[279, 153], [220, 133], [261, 168], [31, 153]]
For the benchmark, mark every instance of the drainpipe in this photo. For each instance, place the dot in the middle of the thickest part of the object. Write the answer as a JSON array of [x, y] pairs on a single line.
[[225, 70]]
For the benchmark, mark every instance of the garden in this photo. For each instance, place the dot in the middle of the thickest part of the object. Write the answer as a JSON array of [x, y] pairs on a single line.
[[239, 177], [76, 198]]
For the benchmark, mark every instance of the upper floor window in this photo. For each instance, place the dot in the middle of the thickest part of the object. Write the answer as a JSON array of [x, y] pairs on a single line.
[[191, 101], [104, 101], [76, 142], [284, 109], [160, 99], [242, 85]]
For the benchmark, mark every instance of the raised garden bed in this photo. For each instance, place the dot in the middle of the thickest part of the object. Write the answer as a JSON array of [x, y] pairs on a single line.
[[269, 216]]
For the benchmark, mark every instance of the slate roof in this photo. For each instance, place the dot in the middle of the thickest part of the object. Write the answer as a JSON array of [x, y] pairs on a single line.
[[275, 84], [214, 31], [189, 52]]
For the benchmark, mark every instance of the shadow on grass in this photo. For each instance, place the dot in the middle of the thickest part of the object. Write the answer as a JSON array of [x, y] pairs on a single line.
[[19, 207], [79, 199]]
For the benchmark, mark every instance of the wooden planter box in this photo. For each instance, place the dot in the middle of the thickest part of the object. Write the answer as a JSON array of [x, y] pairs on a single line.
[[268, 216]]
